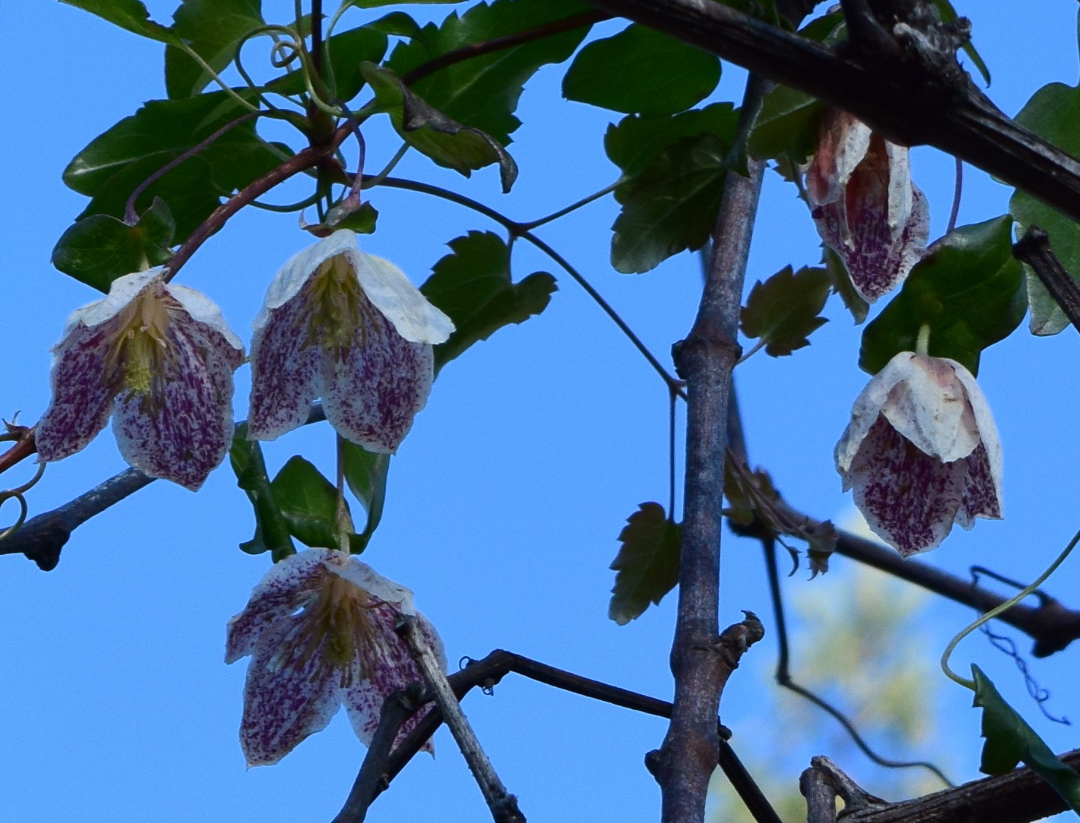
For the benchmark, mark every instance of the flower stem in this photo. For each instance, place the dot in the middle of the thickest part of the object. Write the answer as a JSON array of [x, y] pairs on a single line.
[[922, 342], [994, 612], [584, 201]]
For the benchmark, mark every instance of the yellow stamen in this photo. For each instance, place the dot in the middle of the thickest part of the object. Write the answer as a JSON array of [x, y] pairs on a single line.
[[341, 313]]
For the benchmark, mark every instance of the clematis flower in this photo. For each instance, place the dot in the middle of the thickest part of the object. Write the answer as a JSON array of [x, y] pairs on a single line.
[[320, 631], [921, 452], [864, 204], [159, 359], [350, 328]]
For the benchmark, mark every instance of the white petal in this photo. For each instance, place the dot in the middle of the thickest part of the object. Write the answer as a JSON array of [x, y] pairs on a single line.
[[842, 144], [204, 310], [391, 292], [362, 575], [301, 266], [868, 405], [121, 292], [930, 408]]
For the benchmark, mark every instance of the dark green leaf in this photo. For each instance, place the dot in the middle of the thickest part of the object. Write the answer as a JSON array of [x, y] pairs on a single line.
[[127, 14], [1010, 740], [271, 530], [1053, 113], [783, 310], [212, 29], [483, 91], [116, 162], [365, 472], [344, 77], [647, 563], [637, 140], [361, 220], [473, 286], [445, 141], [948, 14], [968, 290], [98, 249], [786, 125], [842, 285], [641, 71], [671, 205], [308, 502], [397, 24]]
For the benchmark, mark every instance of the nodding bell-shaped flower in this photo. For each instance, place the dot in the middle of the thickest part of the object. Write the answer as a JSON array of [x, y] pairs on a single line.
[[349, 328], [158, 358], [864, 204], [320, 631], [921, 452]]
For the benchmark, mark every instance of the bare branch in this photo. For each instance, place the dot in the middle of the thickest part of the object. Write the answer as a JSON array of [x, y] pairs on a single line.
[[1034, 249]]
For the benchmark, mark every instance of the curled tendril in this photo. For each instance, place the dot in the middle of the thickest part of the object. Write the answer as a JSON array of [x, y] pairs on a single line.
[[18, 494], [283, 54]]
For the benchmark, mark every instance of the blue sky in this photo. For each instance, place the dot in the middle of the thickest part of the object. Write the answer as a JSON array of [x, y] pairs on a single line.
[[505, 501]]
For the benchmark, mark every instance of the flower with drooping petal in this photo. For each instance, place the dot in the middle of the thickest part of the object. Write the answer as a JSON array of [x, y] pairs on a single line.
[[350, 328], [921, 452], [157, 357], [320, 631], [865, 205]]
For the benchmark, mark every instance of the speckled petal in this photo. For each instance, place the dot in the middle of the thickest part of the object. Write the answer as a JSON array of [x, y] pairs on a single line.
[[982, 491], [183, 431], [908, 498], [82, 398], [283, 589], [394, 669], [868, 406], [374, 390], [122, 291], [868, 228], [984, 420], [288, 694], [285, 371]]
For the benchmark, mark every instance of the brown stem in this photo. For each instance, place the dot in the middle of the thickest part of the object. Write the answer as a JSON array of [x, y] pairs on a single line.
[[1034, 249], [910, 102], [705, 360]]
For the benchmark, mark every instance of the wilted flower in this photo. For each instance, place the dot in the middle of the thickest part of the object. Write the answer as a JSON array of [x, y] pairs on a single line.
[[350, 328], [921, 452], [864, 204], [320, 631], [157, 357]]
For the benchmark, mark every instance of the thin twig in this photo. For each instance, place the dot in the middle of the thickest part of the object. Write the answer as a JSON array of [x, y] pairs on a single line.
[[503, 805], [1034, 249], [958, 192]]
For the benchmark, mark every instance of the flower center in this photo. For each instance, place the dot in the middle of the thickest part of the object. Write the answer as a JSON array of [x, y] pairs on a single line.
[[140, 354], [340, 622], [341, 312]]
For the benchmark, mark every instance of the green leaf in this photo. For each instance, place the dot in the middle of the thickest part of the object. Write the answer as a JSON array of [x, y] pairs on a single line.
[[212, 29], [98, 249], [122, 158], [1010, 740], [397, 24], [271, 530], [948, 14], [1053, 113], [637, 140], [671, 205], [483, 91], [647, 564], [641, 71], [344, 76], [783, 310], [786, 125], [431, 132], [308, 502], [360, 220], [374, 4], [130, 15], [968, 290], [365, 472], [473, 286]]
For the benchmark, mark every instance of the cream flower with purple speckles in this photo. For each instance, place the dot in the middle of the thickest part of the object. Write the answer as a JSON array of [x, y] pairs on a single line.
[[921, 452], [320, 631], [159, 359], [865, 205], [349, 328]]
